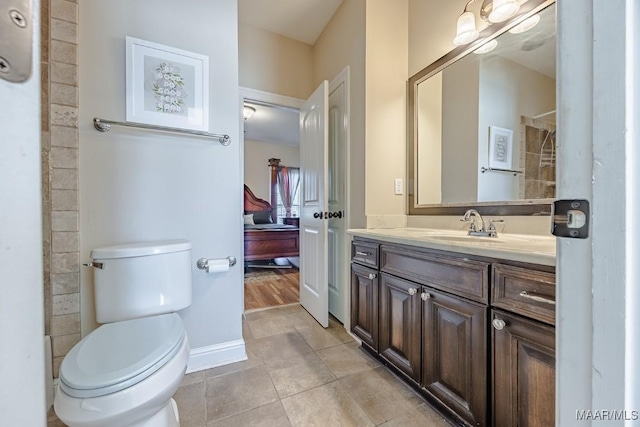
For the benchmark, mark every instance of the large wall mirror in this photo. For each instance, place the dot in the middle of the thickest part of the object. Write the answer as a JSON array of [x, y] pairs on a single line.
[[482, 125]]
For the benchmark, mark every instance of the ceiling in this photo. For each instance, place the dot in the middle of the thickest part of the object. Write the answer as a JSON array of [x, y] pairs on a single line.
[[302, 20], [274, 124]]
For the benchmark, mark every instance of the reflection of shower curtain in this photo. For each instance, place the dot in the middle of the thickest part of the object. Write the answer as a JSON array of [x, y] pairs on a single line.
[[288, 180]]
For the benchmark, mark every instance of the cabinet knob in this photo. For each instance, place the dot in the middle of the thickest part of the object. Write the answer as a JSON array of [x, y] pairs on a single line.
[[425, 296], [372, 276], [499, 324], [413, 291]]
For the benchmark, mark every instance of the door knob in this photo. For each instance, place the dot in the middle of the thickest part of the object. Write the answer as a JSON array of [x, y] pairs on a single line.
[[372, 276], [413, 291], [425, 296], [499, 324], [317, 214]]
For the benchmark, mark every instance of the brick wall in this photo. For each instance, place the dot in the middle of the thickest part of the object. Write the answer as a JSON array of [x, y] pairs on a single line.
[[60, 175]]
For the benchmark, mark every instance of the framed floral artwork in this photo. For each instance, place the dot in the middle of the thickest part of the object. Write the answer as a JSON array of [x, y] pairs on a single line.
[[166, 86], [500, 148]]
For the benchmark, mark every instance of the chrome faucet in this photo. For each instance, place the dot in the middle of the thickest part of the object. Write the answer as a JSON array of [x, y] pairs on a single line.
[[477, 228]]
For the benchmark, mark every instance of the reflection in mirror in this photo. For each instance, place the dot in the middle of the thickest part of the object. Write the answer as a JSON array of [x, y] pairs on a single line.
[[486, 123]]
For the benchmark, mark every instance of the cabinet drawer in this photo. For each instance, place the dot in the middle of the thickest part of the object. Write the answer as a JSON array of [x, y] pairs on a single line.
[[365, 253], [530, 293], [460, 276]]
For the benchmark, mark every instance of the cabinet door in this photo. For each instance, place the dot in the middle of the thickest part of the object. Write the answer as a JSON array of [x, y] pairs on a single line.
[[400, 330], [454, 354], [364, 304], [523, 372]]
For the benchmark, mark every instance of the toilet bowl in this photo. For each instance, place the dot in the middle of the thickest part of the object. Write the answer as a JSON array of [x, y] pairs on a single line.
[[124, 374]]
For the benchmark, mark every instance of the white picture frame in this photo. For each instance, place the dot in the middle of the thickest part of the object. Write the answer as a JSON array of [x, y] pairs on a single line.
[[500, 148], [166, 86]]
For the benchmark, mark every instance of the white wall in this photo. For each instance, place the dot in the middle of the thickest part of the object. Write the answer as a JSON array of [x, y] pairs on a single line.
[[140, 185], [273, 63], [342, 43], [257, 173], [22, 361], [460, 131], [429, 141], [508, 91]]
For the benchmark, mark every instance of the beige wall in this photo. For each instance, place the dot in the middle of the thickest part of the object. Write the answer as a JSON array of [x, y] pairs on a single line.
[[432, 27], [386, 77], [257, 173], [341, 44], [273, 63]]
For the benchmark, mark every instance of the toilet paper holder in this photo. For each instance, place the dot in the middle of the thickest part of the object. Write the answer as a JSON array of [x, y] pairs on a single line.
[[203, 263]]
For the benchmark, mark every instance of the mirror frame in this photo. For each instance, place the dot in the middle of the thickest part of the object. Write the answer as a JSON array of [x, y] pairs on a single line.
[[504, 208]]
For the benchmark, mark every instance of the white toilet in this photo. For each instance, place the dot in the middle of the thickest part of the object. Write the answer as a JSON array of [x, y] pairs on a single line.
[[125, 372]]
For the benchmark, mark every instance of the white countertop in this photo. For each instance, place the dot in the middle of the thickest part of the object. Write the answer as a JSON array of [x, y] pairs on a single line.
[[515, 247]]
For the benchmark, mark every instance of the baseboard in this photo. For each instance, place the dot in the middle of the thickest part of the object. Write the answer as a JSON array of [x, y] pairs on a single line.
[[202, 358]]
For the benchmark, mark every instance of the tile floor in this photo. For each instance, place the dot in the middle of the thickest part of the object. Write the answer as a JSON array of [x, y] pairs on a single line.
[[298, 374]]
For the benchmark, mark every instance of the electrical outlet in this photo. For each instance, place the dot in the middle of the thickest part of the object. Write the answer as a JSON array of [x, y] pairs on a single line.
[[398, 186]]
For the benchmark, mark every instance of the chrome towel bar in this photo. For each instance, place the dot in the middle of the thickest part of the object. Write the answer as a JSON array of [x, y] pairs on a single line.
[[103, 125]]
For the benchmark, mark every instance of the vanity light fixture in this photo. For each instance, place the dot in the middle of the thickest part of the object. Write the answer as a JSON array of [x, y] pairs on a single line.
[[501, 10], [525, 25], [466, 31], [491, 11], [487, 47], [247, 112]]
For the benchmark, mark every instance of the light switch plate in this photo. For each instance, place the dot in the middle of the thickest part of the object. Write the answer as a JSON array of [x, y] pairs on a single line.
[[398, 186]]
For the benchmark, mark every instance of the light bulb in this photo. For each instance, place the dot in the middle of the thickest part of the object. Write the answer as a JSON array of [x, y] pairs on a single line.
[[247, 112], [501, 10], [525, 25], [487, 47], [465, 29]]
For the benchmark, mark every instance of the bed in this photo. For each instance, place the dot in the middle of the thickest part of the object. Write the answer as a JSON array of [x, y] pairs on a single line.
[[263, 241]]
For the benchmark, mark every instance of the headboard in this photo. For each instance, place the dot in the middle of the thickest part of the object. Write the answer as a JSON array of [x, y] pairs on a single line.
[[255, 204]]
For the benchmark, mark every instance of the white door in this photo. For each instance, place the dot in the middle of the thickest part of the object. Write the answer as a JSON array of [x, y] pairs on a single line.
[[338, 133], [22, 364], [314, 159]]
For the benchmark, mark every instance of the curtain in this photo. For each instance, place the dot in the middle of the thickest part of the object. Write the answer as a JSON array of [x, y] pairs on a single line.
[[288, 180]]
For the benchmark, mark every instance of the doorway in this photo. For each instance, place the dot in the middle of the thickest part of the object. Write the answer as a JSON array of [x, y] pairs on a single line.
[[337, 286], [271, 175]]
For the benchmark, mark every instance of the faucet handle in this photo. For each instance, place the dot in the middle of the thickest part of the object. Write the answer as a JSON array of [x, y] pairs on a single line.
[[493, 221], [492, 228]]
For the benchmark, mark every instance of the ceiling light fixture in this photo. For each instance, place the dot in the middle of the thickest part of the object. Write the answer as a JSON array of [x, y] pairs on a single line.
[[247, 112], [525, 25], [487, 47], [491, 11]]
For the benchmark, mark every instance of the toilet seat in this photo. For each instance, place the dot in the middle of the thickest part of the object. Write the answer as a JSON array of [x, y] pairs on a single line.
[[118, 355]]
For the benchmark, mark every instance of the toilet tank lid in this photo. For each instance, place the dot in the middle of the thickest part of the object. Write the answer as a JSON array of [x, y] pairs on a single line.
[[135, 249]]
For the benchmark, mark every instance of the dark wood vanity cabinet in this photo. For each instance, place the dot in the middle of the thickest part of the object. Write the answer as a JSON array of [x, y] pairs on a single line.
[[523, 366], [475, 335], [454, 354], [400, 331], [364, 304]]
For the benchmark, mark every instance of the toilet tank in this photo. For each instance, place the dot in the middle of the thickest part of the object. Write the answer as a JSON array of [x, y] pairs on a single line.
[[141, 279]]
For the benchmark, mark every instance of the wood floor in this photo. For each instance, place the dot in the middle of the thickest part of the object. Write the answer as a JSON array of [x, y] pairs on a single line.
[[271, 287]]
